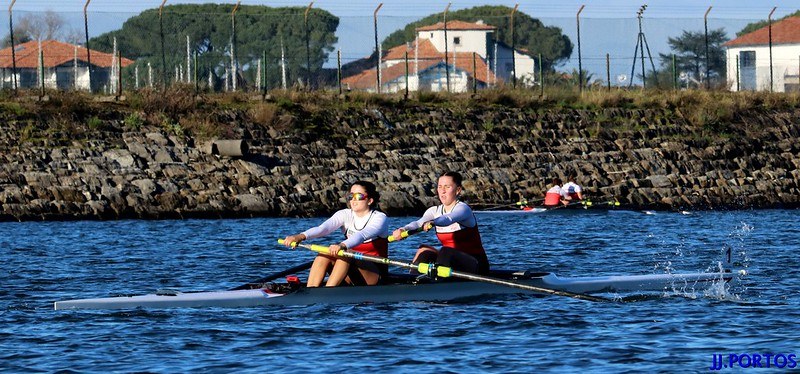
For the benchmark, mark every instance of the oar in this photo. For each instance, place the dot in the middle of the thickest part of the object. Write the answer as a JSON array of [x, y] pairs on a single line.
[[609, 203], [562, 206], [446, 272], [405, 234], [274, 276]]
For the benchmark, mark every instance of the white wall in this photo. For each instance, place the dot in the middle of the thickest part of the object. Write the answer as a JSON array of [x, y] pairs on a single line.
[[523, 65], [471, 40], [785, 61]]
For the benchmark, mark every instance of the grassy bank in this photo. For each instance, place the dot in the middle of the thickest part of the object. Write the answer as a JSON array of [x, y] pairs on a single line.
[[73, 116]]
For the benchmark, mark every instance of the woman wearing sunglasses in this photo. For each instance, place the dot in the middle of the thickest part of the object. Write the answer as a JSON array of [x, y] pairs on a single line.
[[366, 231], [456, 229]]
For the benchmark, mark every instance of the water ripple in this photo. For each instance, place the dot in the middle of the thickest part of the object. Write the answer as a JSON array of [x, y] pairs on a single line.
[[680, 329]]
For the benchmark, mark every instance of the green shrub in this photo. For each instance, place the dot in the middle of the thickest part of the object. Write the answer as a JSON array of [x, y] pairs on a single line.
[[94, 123], [133, 121]]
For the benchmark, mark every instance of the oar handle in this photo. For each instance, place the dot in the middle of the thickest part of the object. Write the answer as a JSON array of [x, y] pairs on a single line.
[[404, 234], [314, 247]]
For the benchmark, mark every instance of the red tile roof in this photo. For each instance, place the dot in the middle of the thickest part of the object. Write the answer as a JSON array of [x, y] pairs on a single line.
[[783, 32], [426, 50], [457, 25], [366, 79], [55, 53]]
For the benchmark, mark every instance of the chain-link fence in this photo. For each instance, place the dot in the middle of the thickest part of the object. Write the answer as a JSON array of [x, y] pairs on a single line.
[[226, 47]]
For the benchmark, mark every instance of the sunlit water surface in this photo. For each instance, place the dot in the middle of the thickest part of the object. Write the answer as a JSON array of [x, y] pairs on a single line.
[[41, 262]]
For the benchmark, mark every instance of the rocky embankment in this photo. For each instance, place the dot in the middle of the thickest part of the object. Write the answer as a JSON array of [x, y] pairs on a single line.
[[300, 163]]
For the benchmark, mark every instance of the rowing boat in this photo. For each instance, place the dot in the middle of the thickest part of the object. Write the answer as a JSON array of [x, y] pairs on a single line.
[[401, 287], [577, 205], [513, 211]]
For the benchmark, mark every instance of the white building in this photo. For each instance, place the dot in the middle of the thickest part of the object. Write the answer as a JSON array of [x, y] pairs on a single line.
[[473, 57], [65, 66], [748, 58]]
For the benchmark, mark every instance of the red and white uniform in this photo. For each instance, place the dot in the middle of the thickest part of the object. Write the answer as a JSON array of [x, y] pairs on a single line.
[[367, 235], [457, 229], [571, 190], [553, 196]]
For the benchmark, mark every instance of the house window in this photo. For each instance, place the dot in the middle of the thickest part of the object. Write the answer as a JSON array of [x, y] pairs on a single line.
[[747, 59], [457, 40], [431, 35]]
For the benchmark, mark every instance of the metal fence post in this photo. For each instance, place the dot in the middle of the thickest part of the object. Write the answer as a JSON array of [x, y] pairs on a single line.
[[405, 96], [474, 74], [674, 73], [769, 20], [88, 50], [163, 52], [119, 74], [264, 73], [13, 47], [377, 50], [196, 81], [541, 76], [308, 46], [446, 61], [708, 69], [608, 71], [41, 71], [580, 62], [513, 50], [737, 73], [234, 63]]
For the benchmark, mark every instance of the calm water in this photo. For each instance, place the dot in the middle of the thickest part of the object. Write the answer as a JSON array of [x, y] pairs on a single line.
[[44, 262]]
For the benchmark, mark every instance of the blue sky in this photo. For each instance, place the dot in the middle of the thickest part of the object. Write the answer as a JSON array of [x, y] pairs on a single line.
[[607, 26]]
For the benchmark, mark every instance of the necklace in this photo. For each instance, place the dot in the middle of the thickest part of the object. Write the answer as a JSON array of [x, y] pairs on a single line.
[[444, 208], [371, 212]]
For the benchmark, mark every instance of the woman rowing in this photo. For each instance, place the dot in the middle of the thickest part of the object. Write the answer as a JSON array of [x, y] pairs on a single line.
[[456, 229], [554, 196], [572, 191], [366, 231]]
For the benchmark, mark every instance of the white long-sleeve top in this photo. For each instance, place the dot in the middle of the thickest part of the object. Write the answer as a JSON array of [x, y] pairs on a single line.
[[460, 217], [357, 230]]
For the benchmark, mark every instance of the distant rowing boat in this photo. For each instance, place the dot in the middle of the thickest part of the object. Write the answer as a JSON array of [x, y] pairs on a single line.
[[578, 205], [514, 211], [397, 288]]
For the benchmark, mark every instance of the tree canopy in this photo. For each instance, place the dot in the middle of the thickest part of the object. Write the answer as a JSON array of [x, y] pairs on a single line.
[[530, 33], [690, 54], [209, 27], [41, 26]]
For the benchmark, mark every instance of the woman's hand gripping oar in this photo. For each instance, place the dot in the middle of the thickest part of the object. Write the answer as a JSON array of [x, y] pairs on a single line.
[[446, 272], [404, 234]]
